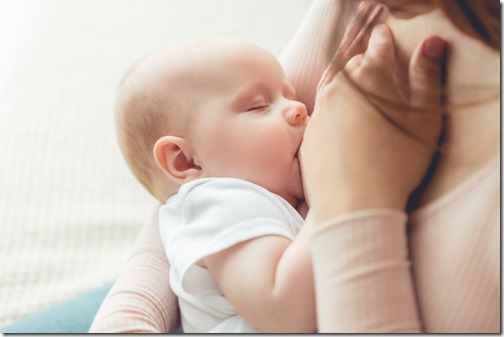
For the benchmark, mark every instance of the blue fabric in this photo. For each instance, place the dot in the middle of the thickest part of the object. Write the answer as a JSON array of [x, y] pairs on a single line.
[[72, 316]]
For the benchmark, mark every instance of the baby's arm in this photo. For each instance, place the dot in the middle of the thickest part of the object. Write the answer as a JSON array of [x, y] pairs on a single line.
[[269, 281]]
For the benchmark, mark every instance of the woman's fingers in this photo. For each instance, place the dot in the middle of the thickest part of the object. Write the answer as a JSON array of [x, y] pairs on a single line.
[[380, 53], [354, 41], [356, 37], [373, 70], [354, 64], [377, 62]]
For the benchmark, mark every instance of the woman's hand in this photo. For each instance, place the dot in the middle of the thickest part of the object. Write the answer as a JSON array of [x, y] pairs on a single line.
[[372, 135]]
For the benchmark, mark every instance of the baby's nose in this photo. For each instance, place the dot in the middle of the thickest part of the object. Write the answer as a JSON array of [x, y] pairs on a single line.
[[296, 113]]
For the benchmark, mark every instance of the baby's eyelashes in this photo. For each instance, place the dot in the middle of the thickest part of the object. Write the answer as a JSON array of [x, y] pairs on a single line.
[[259, 108]]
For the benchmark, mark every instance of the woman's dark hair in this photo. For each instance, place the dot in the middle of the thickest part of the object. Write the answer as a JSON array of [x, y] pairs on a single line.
[[477, 18]]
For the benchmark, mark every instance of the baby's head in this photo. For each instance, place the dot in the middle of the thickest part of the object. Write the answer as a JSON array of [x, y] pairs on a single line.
[[211, 108]]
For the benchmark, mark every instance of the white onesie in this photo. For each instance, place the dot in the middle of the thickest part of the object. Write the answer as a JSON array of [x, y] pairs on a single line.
[[207, 216]]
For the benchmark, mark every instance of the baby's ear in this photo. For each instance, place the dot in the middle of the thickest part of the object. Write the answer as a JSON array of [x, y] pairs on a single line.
[[174, 156]]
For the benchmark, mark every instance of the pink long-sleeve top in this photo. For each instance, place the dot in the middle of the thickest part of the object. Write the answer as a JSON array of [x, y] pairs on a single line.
[[376, 270], [437, 272]]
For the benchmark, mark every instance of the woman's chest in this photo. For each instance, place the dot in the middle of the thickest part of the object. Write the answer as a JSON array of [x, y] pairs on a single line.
[[455, 254]]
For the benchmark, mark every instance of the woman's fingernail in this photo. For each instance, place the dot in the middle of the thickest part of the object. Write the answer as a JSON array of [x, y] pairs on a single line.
[[435, 48]]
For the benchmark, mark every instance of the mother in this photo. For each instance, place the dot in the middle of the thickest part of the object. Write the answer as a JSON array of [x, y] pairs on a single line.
[[378, 268]]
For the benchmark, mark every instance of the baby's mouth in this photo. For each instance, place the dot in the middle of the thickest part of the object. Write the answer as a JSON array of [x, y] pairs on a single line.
[[296, 154], [296, 159]]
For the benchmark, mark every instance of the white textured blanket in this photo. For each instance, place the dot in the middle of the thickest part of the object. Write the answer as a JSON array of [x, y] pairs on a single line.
[[69, 208]]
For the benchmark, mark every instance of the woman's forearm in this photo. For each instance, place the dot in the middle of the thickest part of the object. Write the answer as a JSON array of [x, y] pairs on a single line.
[[364, 282], [139, 302], [141, 299]]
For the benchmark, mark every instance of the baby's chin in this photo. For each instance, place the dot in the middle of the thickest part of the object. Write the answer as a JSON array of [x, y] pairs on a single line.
[[298, 192]]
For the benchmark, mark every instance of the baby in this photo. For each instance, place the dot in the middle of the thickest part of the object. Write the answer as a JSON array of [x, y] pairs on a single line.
[[212, 129]]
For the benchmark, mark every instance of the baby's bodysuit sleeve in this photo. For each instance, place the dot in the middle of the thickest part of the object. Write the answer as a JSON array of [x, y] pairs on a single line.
[[211, 215], [362, 267]]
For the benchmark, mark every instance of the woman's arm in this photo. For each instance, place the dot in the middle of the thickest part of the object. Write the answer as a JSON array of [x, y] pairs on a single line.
[[141, 300], [313, 45], [362, 274]]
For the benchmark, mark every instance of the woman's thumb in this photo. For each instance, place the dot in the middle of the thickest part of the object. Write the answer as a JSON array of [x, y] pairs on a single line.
[[426, 73]]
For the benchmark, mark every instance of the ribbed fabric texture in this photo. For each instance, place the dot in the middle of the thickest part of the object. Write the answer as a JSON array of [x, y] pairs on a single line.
[[141, 300], [363, 275], [455, 249], [311, 49]]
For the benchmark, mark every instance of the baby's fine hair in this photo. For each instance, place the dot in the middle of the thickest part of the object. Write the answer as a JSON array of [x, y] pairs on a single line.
[[142, 116]]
